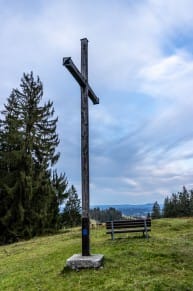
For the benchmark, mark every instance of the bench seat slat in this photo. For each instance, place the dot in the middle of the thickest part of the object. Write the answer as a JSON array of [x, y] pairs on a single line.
[[127, 230], [127, 225]]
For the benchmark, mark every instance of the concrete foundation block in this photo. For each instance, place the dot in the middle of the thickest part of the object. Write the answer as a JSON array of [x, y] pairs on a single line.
[[78, 261]]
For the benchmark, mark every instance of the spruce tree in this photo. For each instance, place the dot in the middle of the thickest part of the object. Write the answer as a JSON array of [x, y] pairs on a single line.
[[156, 213], [71, 214], [167, 207], [174, 205], [28, 143], [60, 184], [191, 202], [184, 203]]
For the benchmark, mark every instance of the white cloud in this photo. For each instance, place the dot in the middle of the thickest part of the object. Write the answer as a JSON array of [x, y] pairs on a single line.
[[170, 77], [128, 181]]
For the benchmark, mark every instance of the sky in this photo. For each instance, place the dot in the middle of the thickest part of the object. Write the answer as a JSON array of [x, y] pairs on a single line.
[[141, 68]]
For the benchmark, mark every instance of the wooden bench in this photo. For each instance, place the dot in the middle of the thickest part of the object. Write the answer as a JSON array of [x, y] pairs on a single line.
[[124, 226]]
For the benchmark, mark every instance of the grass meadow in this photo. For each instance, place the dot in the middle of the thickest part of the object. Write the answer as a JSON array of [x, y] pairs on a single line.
[[162, 262]]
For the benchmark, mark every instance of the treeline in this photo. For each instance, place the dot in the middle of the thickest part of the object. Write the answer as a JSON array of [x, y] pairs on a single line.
[[105, 214], [31, 189], [177, 205]]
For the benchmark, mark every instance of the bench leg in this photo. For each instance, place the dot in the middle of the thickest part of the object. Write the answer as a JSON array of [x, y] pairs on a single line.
[[145, 229], [112, 230], [145, 234]]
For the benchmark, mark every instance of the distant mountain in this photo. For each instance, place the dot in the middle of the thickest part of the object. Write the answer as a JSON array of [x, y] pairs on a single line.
[[129, 209]]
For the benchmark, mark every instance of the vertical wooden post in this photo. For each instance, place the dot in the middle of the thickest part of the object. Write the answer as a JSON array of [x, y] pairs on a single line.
[[85, 151], [86, 91]]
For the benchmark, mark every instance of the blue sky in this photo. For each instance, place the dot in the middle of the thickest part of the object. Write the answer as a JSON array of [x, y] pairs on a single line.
[[140, 66]]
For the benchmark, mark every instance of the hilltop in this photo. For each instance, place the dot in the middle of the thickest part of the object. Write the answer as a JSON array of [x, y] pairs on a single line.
[[162, 262]]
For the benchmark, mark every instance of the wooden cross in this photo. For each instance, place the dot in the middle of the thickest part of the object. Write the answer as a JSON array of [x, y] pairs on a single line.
[[86, 91]]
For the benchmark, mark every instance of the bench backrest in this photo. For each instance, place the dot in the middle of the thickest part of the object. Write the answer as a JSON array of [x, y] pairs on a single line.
[[128, 223]]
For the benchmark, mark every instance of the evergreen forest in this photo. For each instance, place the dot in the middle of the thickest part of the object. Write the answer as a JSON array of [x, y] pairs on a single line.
[[105, 215], [177, 205]]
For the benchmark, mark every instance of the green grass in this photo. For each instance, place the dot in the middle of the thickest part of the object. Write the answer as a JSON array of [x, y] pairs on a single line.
[[163, 262]]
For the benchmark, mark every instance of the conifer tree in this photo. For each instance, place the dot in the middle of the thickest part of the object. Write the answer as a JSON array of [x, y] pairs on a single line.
[[60, 184], [166, 207], [184, 203], [156, 213], [71, 215], [28, 143], [191, 203]]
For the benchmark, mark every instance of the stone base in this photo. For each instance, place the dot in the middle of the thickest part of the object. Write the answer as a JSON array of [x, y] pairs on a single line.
[[78, 261]]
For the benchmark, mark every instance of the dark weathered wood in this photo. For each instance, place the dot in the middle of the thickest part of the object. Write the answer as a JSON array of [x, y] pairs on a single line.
[[124, 226], [85, 149], [68, 63], [128, 223], [86, 91], [71, 67], [93, 97]]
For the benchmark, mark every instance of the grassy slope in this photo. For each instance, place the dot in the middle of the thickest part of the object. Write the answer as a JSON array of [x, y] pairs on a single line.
[[164, 262]]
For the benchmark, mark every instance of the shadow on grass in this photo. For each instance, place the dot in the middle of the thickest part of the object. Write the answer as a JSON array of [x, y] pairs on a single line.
[[129, 238], [67, 270]]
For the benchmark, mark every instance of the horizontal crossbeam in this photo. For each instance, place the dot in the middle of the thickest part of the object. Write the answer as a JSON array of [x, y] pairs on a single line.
[[71, 67]]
